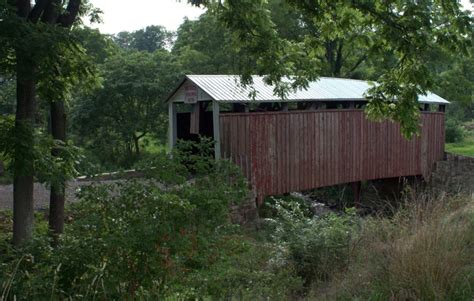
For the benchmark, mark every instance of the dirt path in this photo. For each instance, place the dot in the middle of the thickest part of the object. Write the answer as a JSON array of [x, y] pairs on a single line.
[[41, 194]]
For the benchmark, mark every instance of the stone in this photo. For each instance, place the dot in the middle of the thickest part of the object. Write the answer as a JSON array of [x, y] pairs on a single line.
[[455, 174]]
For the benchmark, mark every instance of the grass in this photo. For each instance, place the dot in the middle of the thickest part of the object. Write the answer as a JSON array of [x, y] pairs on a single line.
[[465, 147], [152, 146], [424, 252]]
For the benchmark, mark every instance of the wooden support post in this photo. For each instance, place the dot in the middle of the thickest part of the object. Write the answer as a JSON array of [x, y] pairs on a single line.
[[216, 127], [247, 108], [356, 189], [284, 106], [173, 125]]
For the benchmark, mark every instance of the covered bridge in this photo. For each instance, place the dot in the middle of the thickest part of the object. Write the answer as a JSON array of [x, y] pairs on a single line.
[[316, 137]]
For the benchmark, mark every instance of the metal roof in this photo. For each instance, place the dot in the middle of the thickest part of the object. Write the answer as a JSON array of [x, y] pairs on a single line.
[[227, 88]]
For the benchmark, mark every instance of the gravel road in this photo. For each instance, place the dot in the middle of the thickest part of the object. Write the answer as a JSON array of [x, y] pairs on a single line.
[[41, 194]]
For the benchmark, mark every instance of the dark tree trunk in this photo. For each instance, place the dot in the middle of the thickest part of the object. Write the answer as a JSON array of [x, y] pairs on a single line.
[[58, 118], [57, 196], [334, 56], [23, 168], [136, 143], [338, 63]]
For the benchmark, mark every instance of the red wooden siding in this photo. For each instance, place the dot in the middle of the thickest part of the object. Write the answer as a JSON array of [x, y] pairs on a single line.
[[281, 152]]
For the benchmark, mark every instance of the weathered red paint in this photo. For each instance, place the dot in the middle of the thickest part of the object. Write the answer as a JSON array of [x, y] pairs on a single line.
[[280, 152]]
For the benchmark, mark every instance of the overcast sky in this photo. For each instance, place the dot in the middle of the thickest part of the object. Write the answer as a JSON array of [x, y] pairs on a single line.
[[120, 15], [133, 15]]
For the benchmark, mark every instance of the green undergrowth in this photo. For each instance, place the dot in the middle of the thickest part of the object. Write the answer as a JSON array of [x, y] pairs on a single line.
[[169, 237], [166, 237], [465, 146]]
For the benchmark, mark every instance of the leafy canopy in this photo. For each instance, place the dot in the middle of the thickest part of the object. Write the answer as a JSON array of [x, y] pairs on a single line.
[[407, 30]]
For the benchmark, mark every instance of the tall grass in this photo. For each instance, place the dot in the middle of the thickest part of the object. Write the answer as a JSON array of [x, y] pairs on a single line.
[[424, 252]]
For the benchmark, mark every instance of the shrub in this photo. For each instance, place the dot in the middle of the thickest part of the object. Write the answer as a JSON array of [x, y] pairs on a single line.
[[454, 131], [150, 239], [316, 246]]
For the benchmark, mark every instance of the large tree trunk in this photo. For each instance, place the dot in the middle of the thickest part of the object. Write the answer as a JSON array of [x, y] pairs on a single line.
[[136, 141], [46, 11], [57, 196], [23, 163]]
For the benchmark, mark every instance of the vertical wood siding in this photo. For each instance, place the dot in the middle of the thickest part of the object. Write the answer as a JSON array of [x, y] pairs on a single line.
[[280, 152]]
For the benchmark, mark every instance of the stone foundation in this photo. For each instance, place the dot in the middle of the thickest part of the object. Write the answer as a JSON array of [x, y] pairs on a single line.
[[453, 175], [245, 213]]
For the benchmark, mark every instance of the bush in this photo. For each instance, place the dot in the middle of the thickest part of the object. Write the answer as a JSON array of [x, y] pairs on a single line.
[[150, 239], [454, 131], [316, 246]]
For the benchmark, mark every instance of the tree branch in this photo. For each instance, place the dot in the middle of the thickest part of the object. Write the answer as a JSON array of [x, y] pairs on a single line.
[[23, 8], [141, 135], [69, 16], [37, 10], [361, 59], [51, 12]]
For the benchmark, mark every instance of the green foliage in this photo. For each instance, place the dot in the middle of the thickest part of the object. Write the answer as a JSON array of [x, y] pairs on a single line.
[[407, 31], [59, 58], [455, 82], [7, 96], [149, 240], [454, 131], [150, 39], [466, 146], [317, 246], [111, 121], [204, 47], [49, 169], [97, 46]]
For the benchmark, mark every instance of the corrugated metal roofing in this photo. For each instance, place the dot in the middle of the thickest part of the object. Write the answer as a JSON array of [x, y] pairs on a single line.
[[227, 88]]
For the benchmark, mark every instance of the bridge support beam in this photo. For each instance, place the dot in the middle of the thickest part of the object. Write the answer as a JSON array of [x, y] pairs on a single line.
[[173, 125], [216, 129], [356, 189]]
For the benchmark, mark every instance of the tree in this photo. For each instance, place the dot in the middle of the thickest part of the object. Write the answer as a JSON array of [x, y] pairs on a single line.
[[405, 29], [456, 83], [32, 39], [97, 46], [129, 105], [204, 46], [341, 55], [149, 39], [7, 96]]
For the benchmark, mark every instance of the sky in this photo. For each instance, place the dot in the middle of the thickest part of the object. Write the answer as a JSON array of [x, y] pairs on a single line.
[[120, 15]]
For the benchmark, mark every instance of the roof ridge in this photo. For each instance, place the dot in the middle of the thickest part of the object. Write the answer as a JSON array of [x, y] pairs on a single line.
[[226, 87], [261, 76]]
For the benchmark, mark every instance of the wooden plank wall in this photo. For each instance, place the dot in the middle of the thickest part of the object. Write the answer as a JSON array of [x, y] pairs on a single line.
[[280, 152]]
